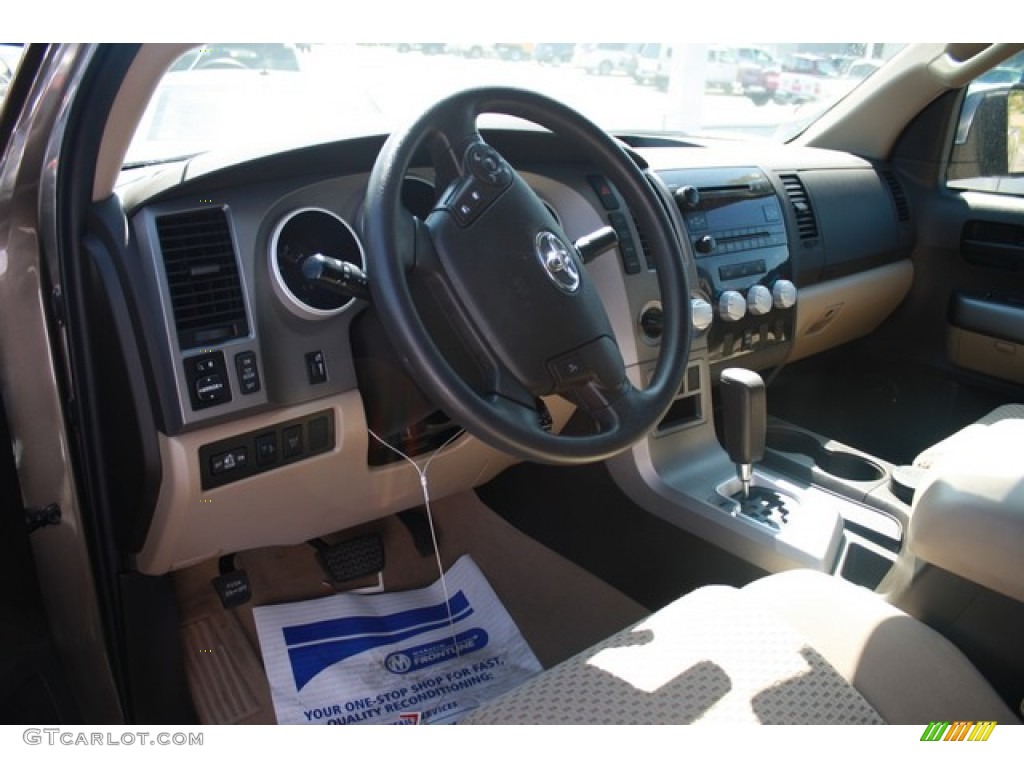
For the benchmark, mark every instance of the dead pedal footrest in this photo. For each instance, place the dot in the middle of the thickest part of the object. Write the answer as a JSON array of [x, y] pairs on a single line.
[[350, 559]]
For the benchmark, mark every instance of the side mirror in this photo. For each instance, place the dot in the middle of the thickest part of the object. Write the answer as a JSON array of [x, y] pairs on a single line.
[[1014, 129], [988, 135]]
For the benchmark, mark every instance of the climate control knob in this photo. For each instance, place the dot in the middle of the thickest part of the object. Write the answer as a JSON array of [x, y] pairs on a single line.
[[783, 294], [731, 306], [701, 314], [759, 300]]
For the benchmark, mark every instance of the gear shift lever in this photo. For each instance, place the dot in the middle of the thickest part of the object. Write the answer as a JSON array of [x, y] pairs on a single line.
[[744, 412]]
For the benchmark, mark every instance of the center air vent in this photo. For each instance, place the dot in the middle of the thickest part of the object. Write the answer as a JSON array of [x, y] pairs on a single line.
[[807, 225], [202, 277]]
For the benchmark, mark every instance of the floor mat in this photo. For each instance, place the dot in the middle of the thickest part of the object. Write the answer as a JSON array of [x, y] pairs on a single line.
[[560, 609], [221, 671], [427, 656]]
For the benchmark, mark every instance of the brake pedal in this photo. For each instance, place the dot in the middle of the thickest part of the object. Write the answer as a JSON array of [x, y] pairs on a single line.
[[351, 559]]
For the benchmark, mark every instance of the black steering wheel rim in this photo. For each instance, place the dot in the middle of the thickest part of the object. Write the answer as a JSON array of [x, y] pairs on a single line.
[[395, 244]]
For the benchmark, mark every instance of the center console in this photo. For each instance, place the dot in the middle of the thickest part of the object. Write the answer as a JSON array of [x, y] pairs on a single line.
[[776, 495]]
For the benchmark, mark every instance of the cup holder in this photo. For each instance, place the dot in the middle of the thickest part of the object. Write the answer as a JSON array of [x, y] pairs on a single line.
[[848, 466]]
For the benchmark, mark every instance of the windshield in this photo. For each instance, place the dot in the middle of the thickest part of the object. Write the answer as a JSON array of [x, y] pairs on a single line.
[[245, 96]]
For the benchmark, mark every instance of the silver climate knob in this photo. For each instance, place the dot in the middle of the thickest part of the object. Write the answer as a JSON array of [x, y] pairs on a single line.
[[701, 314], [783, 294], [731, 306], [759, 300]]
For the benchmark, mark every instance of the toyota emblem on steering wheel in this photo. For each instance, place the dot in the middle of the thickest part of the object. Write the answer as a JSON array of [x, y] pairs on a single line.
[[557, 260]]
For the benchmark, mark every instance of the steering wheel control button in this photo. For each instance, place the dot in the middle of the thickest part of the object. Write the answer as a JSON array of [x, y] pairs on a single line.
[[316, 367], [470, 199], [557, 259], [486, 164], [207, 380], [731, 306], [474, 193], [248, 373], [598, 361], [468, 204]]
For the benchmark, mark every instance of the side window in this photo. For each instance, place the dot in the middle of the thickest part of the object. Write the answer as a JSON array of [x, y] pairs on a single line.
[[10, 55], [987, 153]]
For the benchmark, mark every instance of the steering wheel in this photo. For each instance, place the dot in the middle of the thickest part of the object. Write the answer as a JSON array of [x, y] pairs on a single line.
[[487, 301]]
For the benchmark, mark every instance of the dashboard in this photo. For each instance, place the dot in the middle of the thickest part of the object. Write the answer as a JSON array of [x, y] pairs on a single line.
[[269, 390]]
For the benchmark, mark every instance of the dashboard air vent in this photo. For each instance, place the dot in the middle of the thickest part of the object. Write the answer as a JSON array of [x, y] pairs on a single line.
[[899, 197], [202, 276], [807, 224]]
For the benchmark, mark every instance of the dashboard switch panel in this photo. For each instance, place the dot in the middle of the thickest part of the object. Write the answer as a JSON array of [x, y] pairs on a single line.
[[248, 372], [207, 379], [316, 367], [604, 191], [266, 449], [235, 458]]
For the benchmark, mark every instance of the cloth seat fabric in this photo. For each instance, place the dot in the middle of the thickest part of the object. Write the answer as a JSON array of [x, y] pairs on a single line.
[[969, 434], [793, 648]]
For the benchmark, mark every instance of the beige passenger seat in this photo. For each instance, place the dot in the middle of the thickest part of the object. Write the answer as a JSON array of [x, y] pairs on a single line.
[[905, 480], [978, 431]]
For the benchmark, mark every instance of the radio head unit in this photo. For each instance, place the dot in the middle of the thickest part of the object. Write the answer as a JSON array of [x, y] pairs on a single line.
[[735, 224]]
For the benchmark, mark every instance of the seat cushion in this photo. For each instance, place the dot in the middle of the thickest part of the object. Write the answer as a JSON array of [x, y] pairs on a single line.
[[714, 656], [798, 647], [907, 671], [972, 432]]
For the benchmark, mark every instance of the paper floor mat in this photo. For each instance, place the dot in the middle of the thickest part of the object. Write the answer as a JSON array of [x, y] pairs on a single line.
[[393, 658]]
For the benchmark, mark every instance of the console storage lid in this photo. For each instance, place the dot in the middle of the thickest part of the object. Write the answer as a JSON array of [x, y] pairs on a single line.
[[968, 515]]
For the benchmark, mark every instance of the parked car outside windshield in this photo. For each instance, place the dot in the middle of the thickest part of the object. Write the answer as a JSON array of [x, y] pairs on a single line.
[[224, 95]]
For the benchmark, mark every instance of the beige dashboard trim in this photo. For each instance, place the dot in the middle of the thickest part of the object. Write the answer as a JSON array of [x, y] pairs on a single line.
[[832, 313], [987, 354], [298, 502]]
